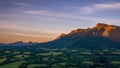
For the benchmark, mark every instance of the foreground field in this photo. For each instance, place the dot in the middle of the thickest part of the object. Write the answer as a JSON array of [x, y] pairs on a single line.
[[12, 65], [60, 58]]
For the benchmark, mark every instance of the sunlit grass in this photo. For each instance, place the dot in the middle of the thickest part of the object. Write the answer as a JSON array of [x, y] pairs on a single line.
[[34, 65], [2, 60], [11, 65]]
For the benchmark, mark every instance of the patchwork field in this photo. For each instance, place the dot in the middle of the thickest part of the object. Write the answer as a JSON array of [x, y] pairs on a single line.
[[60, 58]]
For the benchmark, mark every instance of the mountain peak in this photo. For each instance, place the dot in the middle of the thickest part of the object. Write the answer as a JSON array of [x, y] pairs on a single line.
[[106, 30], [101, 25]]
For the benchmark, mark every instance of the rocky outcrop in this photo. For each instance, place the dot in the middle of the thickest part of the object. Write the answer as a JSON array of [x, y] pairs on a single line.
[[61, 36], [110, 31]]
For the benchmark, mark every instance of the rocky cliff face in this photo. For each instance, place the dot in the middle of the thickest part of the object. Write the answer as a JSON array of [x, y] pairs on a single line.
[[110, 31], [101, 30]]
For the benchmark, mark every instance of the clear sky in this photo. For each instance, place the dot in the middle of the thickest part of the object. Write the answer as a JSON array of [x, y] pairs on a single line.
[[44, 20]]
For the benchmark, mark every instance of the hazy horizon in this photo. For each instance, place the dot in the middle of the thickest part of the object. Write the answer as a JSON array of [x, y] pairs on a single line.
[[44, 20]]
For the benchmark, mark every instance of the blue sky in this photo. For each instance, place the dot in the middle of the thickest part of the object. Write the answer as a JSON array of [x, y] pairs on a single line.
[[44, 20]]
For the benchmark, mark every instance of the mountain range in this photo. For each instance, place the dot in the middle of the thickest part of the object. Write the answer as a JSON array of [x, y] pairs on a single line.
[[18, 43], [98, 37]]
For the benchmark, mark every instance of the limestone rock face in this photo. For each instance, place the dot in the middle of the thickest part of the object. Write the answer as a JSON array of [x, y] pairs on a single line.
[[110, 31]]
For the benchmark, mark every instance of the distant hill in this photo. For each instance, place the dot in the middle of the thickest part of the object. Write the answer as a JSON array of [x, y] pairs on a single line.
[[18, 43]]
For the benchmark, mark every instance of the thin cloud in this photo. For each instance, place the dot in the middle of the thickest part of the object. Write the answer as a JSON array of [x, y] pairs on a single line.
[[70, 16], [41, 12], [29, 35], [22, 4], [99, 7], [110, 6], [5, 27]]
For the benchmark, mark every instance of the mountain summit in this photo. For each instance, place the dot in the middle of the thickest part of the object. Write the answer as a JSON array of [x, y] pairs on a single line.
[[110, 31]]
